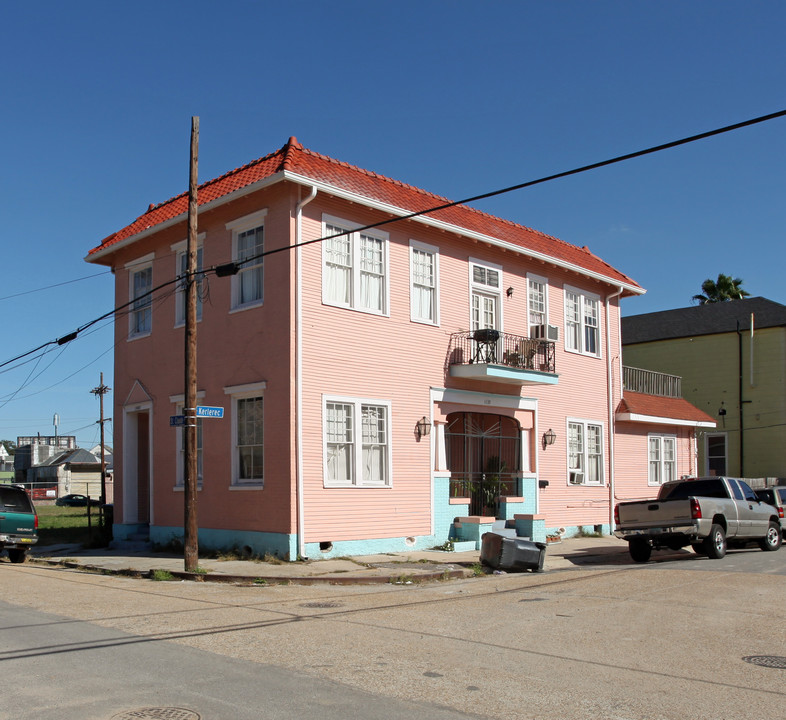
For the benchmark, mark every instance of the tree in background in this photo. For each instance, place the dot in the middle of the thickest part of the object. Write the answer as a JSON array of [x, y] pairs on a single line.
[[723, 289]]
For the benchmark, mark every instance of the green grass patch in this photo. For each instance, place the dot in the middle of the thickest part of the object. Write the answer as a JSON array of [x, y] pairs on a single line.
[[68, 525], [162, 576]]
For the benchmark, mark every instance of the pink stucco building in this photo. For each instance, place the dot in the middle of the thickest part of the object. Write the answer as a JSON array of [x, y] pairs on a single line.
[[381, 373]]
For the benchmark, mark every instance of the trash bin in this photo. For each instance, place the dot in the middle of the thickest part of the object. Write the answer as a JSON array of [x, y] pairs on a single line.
[[506, 553], [108, 509]]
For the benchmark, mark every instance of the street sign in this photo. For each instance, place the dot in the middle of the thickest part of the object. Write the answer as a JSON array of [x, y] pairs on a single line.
[[205, 411], [177, 421]]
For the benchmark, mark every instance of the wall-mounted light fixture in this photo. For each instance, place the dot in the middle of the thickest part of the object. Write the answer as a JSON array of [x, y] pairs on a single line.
[[509, 292], [722, 410], [549, 438], [423, 426]]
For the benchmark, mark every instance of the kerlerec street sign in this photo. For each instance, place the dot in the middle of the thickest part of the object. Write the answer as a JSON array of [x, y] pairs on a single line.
[[205, 411], [177, 420]]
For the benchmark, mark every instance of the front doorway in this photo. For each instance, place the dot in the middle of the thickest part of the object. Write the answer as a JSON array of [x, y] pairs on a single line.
[[136, 468], [484, 459]]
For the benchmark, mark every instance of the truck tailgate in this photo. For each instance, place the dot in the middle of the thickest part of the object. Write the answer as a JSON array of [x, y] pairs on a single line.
[[655, 513]]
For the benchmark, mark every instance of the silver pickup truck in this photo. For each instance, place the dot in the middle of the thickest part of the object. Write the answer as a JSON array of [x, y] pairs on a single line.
[[706, 513]]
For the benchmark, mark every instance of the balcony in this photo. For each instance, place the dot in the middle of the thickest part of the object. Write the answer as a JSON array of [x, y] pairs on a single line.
[[649, 382], [489, 354]]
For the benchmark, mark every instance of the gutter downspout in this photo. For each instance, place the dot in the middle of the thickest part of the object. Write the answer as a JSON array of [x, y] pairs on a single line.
[[610, 389], [301, 542]]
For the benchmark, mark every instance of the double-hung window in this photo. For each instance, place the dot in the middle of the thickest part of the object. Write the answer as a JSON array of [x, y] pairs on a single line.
[[582, 322], [248, 244], [181, 253], [140, 285], [424, 285], [662, 459], [585, 453], [247, 434], [536, 306], [354, 267], [357, 442]]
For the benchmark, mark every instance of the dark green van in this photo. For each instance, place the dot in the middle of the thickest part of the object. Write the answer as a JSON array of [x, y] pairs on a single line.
[[18, 523]]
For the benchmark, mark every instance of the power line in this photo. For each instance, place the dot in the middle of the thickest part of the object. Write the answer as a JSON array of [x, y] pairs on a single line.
[[55, 285], [232, 268]]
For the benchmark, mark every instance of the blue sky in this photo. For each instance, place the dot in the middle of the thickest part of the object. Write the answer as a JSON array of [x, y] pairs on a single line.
[[455, 97]]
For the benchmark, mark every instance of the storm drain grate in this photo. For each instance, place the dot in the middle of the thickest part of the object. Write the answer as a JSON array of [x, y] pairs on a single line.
[[321, 605], [770, 661], [162, 713]]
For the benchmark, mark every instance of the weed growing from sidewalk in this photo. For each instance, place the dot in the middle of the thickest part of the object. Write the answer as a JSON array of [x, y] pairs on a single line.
[[161, 575], [477, 570]]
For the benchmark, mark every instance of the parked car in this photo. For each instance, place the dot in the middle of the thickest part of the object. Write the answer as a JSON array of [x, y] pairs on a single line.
[[775, 496], [77, 500], [18, 523]]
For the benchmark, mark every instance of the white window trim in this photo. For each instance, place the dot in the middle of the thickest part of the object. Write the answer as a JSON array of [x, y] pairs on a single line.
[[237, 226], [585, 423], [357, 442], [133, 267], [352, 227], [434, 251], [481, 289], [178, 249], [661, 461], [545, 282], [583, 295], [179, 402], [239, 392]]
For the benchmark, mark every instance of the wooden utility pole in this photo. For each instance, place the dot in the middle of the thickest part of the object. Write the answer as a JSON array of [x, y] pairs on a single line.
[[190, 526], [102, 390]]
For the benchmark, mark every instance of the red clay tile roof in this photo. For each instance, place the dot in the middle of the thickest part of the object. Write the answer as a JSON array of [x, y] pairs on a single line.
[[295, 159], [662, 407]]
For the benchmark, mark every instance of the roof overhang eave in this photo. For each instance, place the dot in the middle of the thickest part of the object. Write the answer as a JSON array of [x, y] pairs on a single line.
[[98, 255], [655, 420], [628, 288]]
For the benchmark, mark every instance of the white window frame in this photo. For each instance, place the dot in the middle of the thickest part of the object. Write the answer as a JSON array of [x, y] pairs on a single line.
[[582, 468], [584, 301], [239, 226], [353, 299], [419, 288], [179, 403], [707, 437], [485, 290], [357, 478], [237, 393], [135, 267], [531, 298], [180, 249], [657, 462]]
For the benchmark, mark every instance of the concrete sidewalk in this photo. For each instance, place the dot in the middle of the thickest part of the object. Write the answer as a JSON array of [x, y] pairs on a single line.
[[401, 568]]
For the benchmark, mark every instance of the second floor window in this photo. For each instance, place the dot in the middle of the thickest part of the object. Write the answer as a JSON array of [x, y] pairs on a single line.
[[140, 285], [180, 301], [355, 268], [485, 296], [248, 244], [582, 322], [424, 288], [536, 305]]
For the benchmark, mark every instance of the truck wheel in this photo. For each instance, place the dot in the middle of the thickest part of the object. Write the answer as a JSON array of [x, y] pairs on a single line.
[[16, 555], [772, 540], [640, 550], [715, 543]]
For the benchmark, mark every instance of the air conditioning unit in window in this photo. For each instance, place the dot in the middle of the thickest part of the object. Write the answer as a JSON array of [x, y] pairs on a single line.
[[576, 478], [546, 332]]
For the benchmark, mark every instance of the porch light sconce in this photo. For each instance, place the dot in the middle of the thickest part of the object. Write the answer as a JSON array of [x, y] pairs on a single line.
[[509, 292], [423, 426], [548, 438], [722, 410]]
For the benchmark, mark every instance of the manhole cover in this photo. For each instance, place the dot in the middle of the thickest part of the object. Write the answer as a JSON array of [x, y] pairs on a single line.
[[321, 605], [771, 661], [162, 713]]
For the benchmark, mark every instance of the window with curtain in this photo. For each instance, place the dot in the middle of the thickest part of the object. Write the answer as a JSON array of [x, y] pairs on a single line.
[[249, 280], [357, 441], [582, 322], [141, 316], [585, 453], [180, 301], [423, 288], [662, 459], [354, 268], [536, 303], [249, 446]]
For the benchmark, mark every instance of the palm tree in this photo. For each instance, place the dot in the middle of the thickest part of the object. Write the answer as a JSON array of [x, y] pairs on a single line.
[[721, 290]]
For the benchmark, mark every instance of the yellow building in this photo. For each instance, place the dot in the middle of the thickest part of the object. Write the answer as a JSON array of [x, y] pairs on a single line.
[[732, 360]]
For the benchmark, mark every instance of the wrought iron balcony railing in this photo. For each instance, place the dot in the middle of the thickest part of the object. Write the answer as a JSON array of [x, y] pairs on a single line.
[[492, 347]]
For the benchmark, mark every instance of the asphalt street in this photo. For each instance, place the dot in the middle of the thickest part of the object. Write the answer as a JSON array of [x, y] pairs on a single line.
[[682, 637]]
